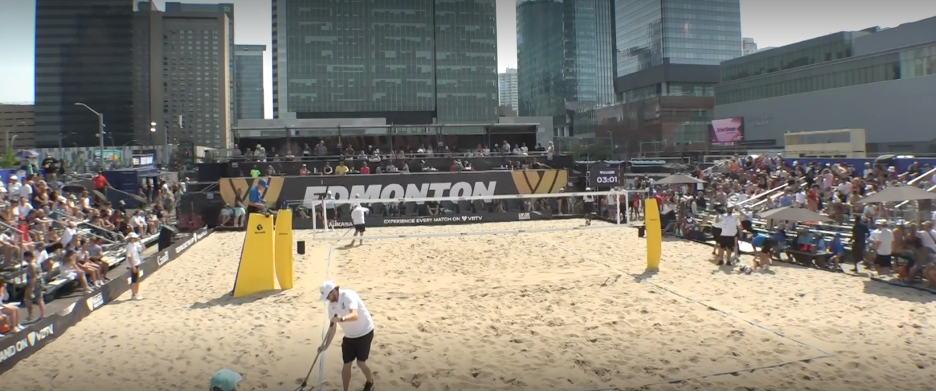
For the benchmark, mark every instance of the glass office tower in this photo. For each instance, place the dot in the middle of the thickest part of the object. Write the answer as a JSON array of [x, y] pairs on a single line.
[[701, 32], [565, 56], [84, 53], [413, 61], [249, 102]]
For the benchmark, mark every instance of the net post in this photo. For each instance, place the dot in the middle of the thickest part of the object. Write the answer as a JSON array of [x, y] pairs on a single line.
[[314, 220], [325, 215], [617, 202]]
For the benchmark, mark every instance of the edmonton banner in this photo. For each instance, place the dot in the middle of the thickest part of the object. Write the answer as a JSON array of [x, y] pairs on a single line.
[[305, 190]]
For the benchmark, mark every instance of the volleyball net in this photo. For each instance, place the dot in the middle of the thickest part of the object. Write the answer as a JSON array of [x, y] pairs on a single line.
[[453, 215]]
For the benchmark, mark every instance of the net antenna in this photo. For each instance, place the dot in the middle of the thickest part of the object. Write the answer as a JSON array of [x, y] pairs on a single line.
[[618, 207]]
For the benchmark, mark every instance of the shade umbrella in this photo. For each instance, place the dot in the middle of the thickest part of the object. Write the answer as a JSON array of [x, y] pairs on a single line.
[[27, 154], [794, 214], [897, 194], [679, 179]]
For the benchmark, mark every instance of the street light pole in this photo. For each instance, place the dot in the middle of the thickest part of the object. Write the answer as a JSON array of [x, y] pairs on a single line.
[[100, 131]]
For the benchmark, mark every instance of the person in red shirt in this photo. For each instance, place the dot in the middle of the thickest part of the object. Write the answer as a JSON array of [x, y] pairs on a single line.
[[365, 169], [659, 200], [100, 183], [812, 198]]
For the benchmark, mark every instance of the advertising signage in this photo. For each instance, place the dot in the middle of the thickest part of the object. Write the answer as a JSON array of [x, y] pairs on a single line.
[[727, 131], [306, 190]]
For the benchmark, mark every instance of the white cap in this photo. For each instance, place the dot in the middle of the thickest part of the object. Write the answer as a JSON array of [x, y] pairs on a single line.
[[587, 189], [14, 177], [132, 236], [326, 289]]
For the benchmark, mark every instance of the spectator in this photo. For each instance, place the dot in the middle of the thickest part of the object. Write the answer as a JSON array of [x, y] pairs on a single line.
[[341, 169], [134, 260], [9, 314], [34, 287]]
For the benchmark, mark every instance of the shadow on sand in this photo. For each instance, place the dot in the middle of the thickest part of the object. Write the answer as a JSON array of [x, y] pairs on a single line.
[[228, 299]]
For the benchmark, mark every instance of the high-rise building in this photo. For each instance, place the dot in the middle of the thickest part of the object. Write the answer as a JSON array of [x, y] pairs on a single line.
[[507, 88], [228, 10], [668, 56], [18, 122], [147, 74], [84, 54], [196, 78], [248, 99], [565, 58], [748, 46], [409, 62]]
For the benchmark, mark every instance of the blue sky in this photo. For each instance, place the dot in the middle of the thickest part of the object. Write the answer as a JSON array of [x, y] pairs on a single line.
[[769, 22]]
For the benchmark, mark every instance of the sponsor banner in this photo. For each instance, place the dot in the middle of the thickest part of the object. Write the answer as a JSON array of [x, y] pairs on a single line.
[[309, 189], [727, 131], [16, 347]]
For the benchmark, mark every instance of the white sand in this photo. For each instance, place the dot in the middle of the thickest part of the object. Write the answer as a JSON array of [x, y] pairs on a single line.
[[504, 312]]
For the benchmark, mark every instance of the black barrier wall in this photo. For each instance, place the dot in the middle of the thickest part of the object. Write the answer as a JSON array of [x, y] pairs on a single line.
[[307, 189], [19, 346]]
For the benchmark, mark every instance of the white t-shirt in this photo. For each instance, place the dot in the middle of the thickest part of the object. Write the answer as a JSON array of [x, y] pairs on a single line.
[[928, 238], [357, 215], [348, 300], [14, 188], [68, 235], [800, 197], [589, 199], [886, 238], [729, 225], [23, 210], [26, 191], [133, 254]]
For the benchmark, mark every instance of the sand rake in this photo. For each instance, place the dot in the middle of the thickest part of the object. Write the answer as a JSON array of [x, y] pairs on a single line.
[[304, 385]]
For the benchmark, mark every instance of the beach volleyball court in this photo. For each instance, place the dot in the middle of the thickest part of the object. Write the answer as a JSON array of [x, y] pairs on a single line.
[[547, 311]]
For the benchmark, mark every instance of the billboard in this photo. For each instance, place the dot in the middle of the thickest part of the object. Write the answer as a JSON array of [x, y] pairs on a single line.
[[727, 131], [306, 189]]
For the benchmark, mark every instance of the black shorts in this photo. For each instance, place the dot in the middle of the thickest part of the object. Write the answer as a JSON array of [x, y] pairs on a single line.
[[252, 210], [883, 260], [589, 206], [726, 242], [356, 348], [359, 229], [857, 252], [134, 276], [768, 246], [330, 213], [716, 232]]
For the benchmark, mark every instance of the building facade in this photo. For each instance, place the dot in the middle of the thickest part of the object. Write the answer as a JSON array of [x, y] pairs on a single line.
[[18, 123], [748, 46], [668, 56], [507, 89], [196, 78], [228, 10], [565, 58], [147, 74], [412, 62], [83, 55], [248, 100], [883, 81]]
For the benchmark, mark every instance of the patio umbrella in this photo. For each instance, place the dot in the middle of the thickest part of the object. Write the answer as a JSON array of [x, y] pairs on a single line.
[[794, 214], [898, 193], [26, 154], [679, 179]]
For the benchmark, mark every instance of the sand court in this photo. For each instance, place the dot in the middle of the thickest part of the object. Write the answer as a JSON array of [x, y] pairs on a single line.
[[535, 311]]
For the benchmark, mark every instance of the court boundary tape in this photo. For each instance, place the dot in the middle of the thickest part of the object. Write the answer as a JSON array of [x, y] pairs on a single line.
[[331, 248], [723, 312]]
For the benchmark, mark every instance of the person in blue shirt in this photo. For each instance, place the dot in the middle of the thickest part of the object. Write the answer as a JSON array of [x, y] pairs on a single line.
[[763, 248], [786, 200], [255, 201], [837, 249]]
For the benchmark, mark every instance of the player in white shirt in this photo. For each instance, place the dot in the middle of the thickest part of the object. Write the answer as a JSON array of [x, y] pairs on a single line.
[[588, 203], [347, 309], [357, 218], [134, 260], [730, 223], [882, 239]]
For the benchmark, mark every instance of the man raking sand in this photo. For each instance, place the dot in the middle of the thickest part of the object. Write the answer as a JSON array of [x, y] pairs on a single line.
[[358, 327]]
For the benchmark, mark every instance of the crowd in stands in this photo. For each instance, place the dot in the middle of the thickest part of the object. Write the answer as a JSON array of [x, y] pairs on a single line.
[[44, 222], [373, 154], [751, 184]]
